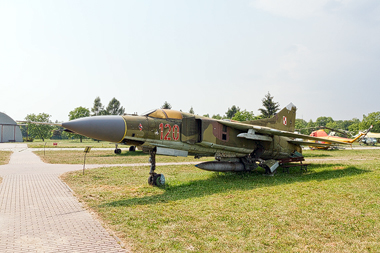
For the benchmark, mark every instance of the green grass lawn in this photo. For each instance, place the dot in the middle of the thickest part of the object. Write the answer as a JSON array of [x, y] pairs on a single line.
[[107, 157], [334, 207], [4, 157], [71, 144]]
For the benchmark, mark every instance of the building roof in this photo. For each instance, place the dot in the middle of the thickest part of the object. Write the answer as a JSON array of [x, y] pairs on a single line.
[[6, 120]]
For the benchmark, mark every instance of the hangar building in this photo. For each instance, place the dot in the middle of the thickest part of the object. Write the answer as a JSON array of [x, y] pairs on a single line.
[[9, 130]]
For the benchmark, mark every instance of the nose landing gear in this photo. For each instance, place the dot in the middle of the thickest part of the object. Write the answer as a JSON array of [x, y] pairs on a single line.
[[117, 150], [154, 178]]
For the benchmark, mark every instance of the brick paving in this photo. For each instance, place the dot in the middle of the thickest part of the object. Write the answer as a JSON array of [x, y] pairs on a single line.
[[38, 212]]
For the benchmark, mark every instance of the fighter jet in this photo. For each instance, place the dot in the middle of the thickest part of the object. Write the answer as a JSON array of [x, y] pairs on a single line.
[[236, 146]]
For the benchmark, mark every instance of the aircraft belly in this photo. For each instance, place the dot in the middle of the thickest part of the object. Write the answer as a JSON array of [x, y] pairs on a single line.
[[280, 148], [192, 149], [218, 148]]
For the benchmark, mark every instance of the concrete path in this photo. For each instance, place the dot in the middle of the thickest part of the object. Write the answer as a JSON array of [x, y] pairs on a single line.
[[38, 212]]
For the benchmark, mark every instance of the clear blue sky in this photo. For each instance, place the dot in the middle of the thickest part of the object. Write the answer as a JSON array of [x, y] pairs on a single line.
[[322, 55]]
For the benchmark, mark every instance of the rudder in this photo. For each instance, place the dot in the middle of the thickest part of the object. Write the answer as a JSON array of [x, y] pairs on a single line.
[[284, 120]]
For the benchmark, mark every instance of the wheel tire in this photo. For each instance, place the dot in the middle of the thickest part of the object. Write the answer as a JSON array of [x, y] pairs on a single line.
[[132, 148], [150, 180], [117, 151], [160, 180], [156, 180]]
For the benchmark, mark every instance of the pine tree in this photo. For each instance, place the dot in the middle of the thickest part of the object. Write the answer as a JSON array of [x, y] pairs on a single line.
[[114, 108], [98, 108], [270, 107], [231, 111], [166, 105]]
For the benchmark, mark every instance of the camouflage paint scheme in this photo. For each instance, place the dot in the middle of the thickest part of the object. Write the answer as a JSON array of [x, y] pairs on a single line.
[[236, 146], [202, 136]]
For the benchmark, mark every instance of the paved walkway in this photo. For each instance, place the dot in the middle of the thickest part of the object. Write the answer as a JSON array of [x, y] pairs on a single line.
[[38, 212]]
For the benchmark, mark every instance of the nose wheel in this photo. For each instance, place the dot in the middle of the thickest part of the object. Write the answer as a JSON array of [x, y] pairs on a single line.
[[154, 178], [117, 150]]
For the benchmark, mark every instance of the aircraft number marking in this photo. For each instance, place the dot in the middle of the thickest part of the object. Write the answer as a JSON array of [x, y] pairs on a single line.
[[166, 138], [174, 130]]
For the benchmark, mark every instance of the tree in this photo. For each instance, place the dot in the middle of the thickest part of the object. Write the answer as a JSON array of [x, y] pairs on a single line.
[[345, 124], [243, 116], [114, 108], [217, 116], [231, 111], [301, 125], [166, 105], [310, 125], [191, 110], [333, 125], [98, 108], [323, 121], [79, 112], [57, 134], [372, 118], [206, 115], [42, 131], [270, 107], [354, 126]]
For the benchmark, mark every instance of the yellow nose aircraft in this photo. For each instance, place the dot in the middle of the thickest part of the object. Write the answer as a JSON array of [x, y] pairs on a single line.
[[326, 145]]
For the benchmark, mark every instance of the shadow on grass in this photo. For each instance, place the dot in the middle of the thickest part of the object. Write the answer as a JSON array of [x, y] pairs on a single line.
[[224, 182], [123, 154], [316, 155]]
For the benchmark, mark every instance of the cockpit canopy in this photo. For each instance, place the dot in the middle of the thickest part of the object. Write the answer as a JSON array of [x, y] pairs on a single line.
[[164, 114]]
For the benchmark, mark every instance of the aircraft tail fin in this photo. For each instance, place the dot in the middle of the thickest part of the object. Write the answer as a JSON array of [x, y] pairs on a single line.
[[361, 135], [357, 137], [284, 120]]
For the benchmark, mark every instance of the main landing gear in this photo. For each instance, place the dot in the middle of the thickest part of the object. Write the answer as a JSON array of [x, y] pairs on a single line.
[[118, 150], [154, 178]]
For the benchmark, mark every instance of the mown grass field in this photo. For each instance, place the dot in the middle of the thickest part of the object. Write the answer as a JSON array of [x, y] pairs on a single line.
[[4, 157], [70, 144], [334, 207], [107, 157]]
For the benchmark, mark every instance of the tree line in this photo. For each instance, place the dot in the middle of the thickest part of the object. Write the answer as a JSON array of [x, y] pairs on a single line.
[[235, 113], [33, 131], [269, 109]]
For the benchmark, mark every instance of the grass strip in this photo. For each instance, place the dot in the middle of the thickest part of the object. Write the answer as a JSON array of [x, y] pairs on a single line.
[[71, 144], [107, 157], [4, 157], [334, 207]]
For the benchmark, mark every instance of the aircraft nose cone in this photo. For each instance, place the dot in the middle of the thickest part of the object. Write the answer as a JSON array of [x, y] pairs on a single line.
[[105, 128]]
